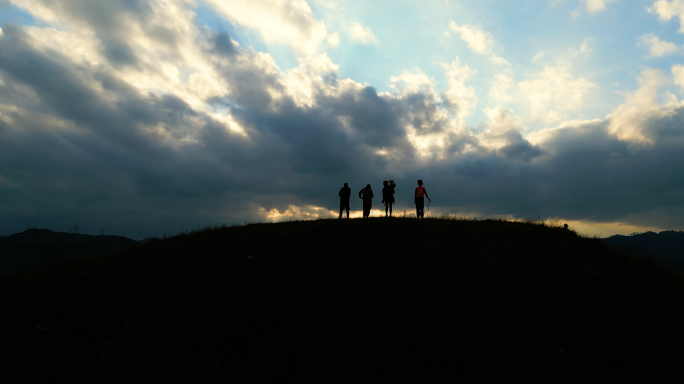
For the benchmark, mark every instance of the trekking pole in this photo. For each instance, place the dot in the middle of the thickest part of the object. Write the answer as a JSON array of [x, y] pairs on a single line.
[[429, 201]]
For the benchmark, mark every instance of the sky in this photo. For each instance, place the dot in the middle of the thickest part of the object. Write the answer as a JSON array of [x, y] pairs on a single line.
[[139, 117]]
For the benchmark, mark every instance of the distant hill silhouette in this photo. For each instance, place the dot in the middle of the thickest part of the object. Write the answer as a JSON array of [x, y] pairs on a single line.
[[147, 240], [666, 246], [35, 247], [355, 301]]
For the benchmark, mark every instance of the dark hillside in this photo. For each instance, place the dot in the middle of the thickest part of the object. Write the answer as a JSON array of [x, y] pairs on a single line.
[[36, 247], [378, 300], [666, 246]]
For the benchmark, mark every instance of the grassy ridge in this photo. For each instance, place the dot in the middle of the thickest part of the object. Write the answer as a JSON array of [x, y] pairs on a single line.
[[349, 300]]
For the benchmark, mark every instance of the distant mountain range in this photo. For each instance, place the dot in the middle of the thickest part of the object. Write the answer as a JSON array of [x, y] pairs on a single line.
[[666, 246], [35, 247]]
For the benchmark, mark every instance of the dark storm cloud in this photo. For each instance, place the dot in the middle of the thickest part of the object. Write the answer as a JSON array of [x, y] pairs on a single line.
[[106, 163], [517, 148], [589, 175], [85, 147], [223, 45]]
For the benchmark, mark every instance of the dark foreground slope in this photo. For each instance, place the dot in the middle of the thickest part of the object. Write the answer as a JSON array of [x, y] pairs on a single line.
[[377, 300], [36, 247]]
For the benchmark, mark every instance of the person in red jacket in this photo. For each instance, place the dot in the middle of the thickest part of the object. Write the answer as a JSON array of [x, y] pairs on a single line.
[[419, 199]]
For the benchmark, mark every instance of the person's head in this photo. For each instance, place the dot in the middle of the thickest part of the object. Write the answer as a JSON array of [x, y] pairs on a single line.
[[368, 186], [420, 182], [385, 183], [346, 185]]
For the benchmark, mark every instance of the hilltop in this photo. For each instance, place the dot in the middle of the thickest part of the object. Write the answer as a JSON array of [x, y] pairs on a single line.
[[377, 300], [36, 247]]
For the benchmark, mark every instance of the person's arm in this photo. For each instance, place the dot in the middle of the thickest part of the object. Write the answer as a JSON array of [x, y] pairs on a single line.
[[340, 193], [426, 195]]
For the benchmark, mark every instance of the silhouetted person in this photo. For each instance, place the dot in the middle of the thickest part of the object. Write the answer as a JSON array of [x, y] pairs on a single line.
[[388, 195], [367, 195], [345, 195], [419, 199], [565, 226]]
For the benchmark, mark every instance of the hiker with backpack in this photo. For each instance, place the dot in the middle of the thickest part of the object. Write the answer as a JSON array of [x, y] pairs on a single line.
[[345, 195], [388, 195], [367, 195], [419, 199]]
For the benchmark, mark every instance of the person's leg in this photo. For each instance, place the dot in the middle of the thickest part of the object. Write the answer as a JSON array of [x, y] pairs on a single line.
[[390, 208], [341, 208], [386, 207]]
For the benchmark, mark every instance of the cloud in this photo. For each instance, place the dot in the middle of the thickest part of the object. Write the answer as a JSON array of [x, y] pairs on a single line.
[[278, 21], [553, 89], [362, 34], [460, 100], [591, 6], [596, 5], [503, 135], [630, 121], [195, 128], [477, 39], [657, 47], [333, 39], [666, 10], [678, 73], [499, 91], [499, 60], [584, 47]]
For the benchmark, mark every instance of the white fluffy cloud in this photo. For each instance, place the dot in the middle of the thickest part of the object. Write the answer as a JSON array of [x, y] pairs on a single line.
[[629, 121], [460, 98], [412, 82], [596, 5], [333, 39], [553, 91], [278, 21], [362, 34], [666, 10], [499, 91], [478, 41], [678, 73], [590, 6], [657, 47]]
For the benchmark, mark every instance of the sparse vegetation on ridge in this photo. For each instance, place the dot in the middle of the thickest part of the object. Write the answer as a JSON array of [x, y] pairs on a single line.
[[375, 300]]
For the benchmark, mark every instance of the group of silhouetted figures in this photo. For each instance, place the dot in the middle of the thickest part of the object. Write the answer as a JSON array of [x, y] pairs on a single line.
[[366, 195]]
